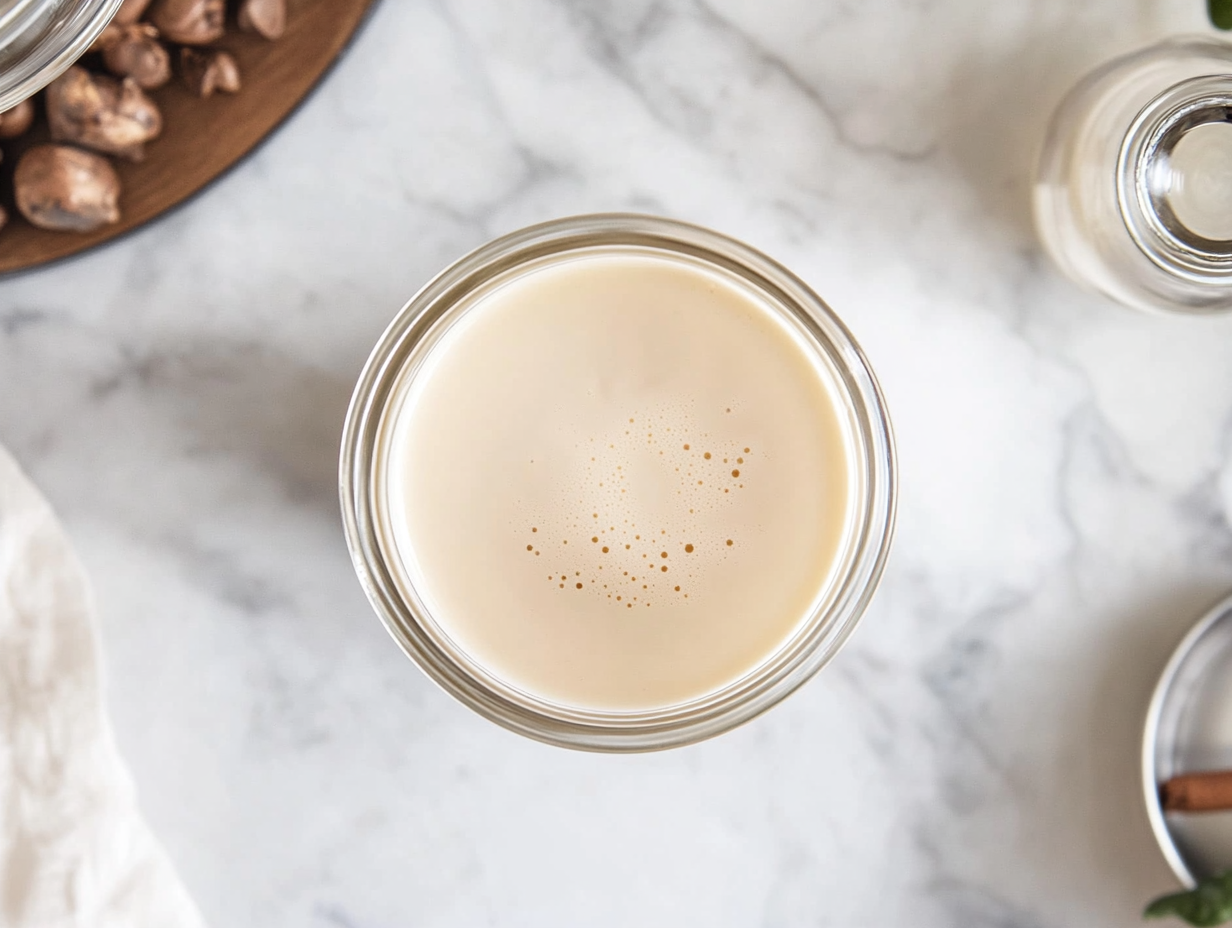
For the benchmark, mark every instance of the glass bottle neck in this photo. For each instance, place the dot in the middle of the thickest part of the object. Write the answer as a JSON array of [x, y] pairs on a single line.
[[1174, 180]]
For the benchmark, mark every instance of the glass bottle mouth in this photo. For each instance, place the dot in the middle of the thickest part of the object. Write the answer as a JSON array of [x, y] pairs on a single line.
[[1174, 180], [408, 618]]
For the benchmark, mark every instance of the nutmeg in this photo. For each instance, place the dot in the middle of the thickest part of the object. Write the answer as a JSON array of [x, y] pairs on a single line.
[[267, 18], [138, 54], [207, 71], [102, 113], [190, 22], [66, 189], [16, 121], [129, 12]]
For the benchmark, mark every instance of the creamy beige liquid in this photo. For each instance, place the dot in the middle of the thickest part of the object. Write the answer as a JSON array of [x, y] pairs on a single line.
[[620, 482]]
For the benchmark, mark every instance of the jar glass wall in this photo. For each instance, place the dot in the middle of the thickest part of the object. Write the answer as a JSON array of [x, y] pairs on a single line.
[[407, 348]]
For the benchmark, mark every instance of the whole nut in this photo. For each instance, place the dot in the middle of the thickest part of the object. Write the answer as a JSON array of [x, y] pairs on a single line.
[[190, 22], [267, 18], [66, 189], [129, 12], [16, 121], [207, 71], [138, 54], [102, 113]]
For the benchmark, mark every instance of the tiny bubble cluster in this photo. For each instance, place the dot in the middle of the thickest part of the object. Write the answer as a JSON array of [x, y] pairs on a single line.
[[614, 470]]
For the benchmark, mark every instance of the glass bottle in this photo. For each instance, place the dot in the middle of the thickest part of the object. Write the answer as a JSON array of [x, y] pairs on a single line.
[[1133, 192]]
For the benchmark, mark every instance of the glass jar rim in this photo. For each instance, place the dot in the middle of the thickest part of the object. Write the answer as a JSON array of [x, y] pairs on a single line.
[[53, 47], [819, 636]]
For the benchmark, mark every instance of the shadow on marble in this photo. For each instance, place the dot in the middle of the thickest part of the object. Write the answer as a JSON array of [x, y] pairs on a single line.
[[249, 401], [1000, 102]]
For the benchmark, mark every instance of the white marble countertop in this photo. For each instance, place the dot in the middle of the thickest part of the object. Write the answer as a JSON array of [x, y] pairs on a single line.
[[969, 760]]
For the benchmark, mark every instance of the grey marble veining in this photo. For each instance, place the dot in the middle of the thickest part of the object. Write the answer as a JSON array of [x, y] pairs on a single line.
[[969, 760]]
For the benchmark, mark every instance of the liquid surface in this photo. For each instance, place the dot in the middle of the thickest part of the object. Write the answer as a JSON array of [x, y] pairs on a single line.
[[1201, 184], [619, 482]]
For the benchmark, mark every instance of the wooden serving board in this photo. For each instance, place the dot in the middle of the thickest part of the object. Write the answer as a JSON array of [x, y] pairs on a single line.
[[201, 139]]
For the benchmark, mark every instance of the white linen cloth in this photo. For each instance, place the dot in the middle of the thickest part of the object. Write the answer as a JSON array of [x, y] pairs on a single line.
[[74, 850]]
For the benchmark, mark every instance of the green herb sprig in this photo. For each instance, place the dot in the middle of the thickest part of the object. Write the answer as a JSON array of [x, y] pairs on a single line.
[[1221, 13], [1209, 903]]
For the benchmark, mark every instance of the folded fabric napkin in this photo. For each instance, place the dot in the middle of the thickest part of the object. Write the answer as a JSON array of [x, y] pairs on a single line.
[[74, 850]]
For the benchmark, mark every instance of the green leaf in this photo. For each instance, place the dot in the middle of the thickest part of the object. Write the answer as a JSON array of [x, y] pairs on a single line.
[[1209, 904], [1221, 13]]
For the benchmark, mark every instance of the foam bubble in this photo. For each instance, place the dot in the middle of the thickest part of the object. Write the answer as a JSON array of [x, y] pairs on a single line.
[[638, 480]]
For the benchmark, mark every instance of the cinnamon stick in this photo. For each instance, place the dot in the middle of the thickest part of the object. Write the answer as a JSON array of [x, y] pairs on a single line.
[[1208, 791]]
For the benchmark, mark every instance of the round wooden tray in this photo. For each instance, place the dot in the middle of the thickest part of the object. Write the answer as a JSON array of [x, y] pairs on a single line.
[[201, 139]]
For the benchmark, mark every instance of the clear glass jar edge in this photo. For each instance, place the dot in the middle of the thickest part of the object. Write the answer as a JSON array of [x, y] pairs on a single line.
[[881, 521]]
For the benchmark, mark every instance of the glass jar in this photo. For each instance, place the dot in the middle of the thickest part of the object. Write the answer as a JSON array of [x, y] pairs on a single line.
[[40, 40], [1133, 193], [403, 351]]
